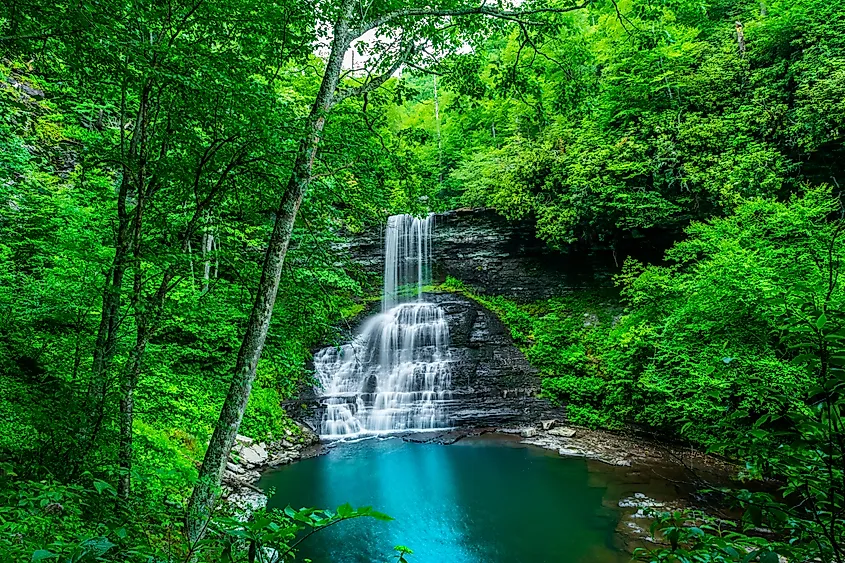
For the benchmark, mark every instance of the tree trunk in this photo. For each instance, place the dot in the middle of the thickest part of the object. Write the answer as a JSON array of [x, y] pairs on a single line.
[[106, 342], [133, 369], [144, 330], [104, 346], [740, 38], [204, 495], [207, 247]]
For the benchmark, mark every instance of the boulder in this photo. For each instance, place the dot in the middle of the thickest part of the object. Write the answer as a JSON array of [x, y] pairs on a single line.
[[253, 455], [234, 468], [245, 440], [309, 437], [283, 458], [562, 432], [528, 432], [548, 424]]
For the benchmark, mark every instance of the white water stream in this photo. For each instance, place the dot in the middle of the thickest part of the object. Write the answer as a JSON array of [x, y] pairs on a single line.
[[394, 376]]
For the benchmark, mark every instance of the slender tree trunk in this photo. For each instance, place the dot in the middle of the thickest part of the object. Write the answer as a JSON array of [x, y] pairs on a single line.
[[207, 246], [127, 387], [439, 141], [205, 490], [106, 343], [144, 330], [740, 38]]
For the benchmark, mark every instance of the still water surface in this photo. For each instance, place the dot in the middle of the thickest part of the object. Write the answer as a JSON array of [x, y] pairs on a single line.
[[476, 501]]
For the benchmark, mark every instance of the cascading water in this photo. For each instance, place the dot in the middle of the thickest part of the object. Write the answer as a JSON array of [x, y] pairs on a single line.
[[394, 376]]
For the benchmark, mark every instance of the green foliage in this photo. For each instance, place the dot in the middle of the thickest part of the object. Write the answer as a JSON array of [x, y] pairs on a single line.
[[636, 116], [737, 344], [798, 440], [221, 97], [699, 335], [565, 337], [401, 552], [694, 536], [51, 521]]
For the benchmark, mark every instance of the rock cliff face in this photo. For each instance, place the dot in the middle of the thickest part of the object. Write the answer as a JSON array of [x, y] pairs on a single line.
[[492, 382], [498, 257]]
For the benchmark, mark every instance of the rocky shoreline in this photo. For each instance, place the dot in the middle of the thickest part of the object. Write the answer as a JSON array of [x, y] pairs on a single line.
[[249, 459], [619, 450]]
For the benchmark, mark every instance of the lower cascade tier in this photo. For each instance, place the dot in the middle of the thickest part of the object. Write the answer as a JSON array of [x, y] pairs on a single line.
[[392, 377]]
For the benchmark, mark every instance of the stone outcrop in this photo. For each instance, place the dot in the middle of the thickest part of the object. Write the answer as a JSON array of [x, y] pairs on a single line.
[[249, 458], [492, 381], [496, 256]]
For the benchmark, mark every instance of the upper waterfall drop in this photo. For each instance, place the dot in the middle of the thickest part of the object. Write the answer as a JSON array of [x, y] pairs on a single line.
[[394, 376], [407, 258]]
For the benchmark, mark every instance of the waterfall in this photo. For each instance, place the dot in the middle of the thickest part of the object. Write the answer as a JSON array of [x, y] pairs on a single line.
[[394, 376], [407, 257]]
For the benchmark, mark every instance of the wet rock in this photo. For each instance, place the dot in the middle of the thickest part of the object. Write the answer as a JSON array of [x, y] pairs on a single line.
[[592, 444], [308, 436], [528, 432], [247, 501], [444, 437], [25, 89], [234, 468], [283, 457], [492, 383], [562, 432], [497, 256], [238, 480]]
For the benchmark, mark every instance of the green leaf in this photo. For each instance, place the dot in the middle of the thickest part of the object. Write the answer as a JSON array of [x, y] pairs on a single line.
[[380, 516], [98, 546], [43, 554], [103, 486], [345, 510]]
